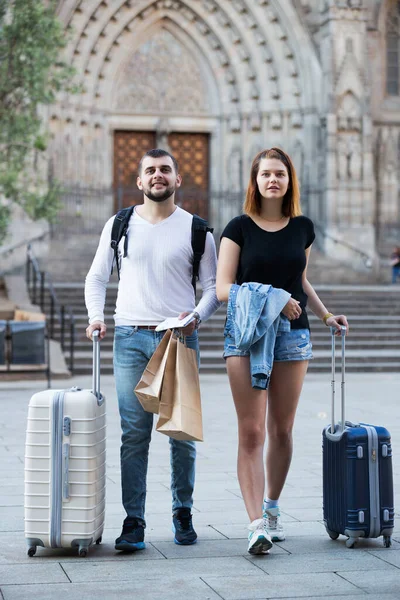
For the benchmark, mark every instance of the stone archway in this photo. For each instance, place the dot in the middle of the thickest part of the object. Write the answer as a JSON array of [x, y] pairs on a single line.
[[253, 67]]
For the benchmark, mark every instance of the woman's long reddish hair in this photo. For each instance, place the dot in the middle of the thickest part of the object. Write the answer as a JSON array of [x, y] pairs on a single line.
[[291, 200]]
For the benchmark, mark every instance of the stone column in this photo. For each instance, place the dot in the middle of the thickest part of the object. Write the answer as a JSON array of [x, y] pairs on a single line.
[[346, 130]]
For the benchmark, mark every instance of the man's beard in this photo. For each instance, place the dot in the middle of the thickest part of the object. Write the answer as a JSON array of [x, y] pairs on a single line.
[[169, 190]]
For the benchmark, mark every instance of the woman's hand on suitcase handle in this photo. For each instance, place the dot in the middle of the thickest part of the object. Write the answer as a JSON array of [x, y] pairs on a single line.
[[99, 326], [292, 310], [337, 321]]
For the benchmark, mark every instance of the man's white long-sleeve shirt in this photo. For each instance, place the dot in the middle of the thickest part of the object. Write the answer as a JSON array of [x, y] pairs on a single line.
[[156, 275]]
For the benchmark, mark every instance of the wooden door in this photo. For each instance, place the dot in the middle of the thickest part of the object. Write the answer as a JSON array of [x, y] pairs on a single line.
[[129, 147], [191, 150]]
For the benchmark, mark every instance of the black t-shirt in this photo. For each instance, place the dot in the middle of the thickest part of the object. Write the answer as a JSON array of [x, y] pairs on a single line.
[[277, 258]]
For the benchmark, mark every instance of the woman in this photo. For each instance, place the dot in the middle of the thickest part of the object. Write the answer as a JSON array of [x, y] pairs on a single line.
[[269, 244]]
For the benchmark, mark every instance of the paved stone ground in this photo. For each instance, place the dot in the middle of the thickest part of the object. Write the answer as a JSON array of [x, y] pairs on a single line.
[[307, 565]]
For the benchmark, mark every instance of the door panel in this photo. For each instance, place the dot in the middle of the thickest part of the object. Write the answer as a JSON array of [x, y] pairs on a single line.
[[191, 150], [129, 147]]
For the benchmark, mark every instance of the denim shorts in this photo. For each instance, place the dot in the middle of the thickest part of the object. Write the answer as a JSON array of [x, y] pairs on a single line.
[[289, 345]]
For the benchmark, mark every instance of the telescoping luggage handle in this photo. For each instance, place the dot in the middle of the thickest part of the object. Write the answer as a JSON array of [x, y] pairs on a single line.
[[342, 387], [96, 367]]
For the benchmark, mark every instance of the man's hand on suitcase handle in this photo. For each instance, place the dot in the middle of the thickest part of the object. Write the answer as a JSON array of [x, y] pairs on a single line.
[[99, 326], [338, 321]]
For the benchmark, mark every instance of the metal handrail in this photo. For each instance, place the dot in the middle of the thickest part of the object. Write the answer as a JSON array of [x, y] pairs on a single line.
[[366, 258], [34, 278]]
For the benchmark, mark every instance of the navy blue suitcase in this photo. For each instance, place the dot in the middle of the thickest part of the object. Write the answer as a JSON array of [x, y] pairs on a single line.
[[357, 474]]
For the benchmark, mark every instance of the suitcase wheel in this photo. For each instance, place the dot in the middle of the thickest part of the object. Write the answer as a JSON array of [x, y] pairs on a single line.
[[83, 552], [350, 542], [332, 534], [387, 541], [31, 550], [99, 540]]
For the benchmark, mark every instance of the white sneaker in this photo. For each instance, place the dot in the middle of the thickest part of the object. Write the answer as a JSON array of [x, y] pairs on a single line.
[[259, 539], [274, 525]]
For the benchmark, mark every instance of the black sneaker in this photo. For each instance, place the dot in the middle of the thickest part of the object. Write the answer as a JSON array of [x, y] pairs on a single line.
[[132, 536], [182, 526]]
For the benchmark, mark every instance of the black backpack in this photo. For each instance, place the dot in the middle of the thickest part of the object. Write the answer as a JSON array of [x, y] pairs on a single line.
[[120, 230]]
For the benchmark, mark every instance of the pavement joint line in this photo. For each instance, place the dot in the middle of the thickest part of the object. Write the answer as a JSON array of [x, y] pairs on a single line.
[[277, 544], [382, 559], [236, 494], [220, 532], [347, 581], [65, 573], [157, 549], [258, 557], [211, 588]]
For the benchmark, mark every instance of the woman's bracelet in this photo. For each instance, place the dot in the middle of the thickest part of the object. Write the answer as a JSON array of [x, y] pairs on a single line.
[[326, 317]]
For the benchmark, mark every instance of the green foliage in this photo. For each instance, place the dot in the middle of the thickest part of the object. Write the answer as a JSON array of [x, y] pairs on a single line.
[[31, 74], [4, 220]]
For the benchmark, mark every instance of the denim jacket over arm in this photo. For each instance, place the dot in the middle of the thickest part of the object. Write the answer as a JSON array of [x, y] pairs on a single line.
[[256, 309]]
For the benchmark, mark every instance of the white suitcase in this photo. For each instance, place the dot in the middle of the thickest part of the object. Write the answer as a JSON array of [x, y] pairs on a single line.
[[65, 466]]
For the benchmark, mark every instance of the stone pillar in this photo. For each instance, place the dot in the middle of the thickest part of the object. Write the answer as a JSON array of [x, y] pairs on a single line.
[[346, 129]]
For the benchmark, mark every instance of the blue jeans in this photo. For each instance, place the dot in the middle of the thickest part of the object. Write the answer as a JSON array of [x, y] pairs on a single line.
[[133, 349], [395, 274]]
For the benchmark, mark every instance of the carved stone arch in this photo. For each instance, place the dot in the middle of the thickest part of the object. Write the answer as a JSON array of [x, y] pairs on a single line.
[[183, 84], [273, 28], [65, 10], [251, 52], [231, 30], [113, 53], [303, 49], [219, 87], [250, 21], [261, 28], [263, 60], [262, 22]]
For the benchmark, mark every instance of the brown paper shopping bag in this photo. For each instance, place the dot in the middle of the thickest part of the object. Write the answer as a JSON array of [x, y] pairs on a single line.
[[180, 403], [148, 390], [168, 384]]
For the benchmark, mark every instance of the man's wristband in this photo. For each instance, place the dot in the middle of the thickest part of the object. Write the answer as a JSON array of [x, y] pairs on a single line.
[[326, 317]]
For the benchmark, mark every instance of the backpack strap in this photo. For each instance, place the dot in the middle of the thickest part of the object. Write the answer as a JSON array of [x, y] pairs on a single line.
[[199, 234], [120, 230]]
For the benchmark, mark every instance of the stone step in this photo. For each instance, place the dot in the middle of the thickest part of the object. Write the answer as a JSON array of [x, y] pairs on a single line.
[[373, 312]]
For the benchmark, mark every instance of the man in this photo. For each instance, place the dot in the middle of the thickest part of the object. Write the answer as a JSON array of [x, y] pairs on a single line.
[[155, 283]]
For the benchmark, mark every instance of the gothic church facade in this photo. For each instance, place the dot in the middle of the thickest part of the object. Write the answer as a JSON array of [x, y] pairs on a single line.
[[215, 81]]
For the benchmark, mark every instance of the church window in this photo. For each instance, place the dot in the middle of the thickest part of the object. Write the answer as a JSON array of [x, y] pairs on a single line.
[[393, 49]]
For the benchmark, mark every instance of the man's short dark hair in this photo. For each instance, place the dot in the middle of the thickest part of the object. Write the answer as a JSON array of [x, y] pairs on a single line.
[[157, 153]]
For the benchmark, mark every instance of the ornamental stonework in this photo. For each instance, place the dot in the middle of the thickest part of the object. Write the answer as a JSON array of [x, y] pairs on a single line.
[[160, 77]]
